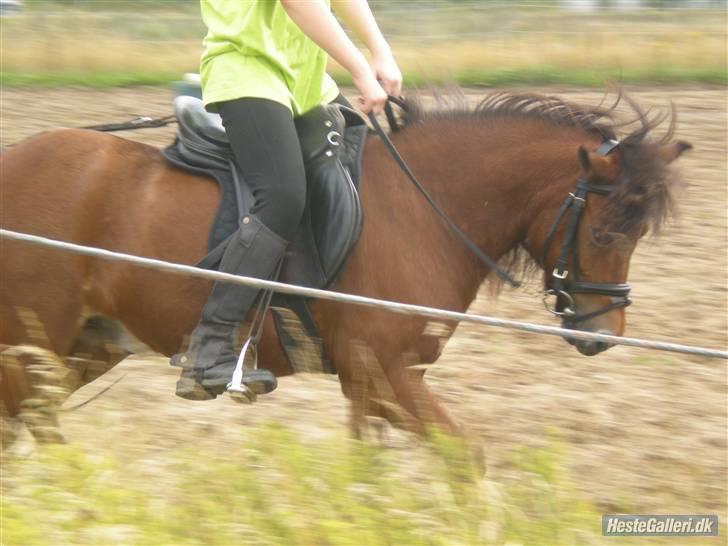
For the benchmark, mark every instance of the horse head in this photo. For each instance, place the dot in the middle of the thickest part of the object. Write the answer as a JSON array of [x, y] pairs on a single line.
[[624, 191]]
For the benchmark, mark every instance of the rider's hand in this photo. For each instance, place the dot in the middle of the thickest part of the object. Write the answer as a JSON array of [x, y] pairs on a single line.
[[387, 72], [372, 96]]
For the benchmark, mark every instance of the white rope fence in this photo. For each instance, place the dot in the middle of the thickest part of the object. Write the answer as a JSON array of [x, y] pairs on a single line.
[[409, 309]]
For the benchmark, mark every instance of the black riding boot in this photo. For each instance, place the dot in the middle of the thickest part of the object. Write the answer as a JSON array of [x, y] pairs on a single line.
[[208, 364]]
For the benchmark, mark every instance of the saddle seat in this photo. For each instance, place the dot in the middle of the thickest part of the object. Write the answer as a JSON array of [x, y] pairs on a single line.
[[198, 122]]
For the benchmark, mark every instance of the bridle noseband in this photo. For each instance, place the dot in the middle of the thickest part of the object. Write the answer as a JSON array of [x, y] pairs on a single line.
[[565, 307]]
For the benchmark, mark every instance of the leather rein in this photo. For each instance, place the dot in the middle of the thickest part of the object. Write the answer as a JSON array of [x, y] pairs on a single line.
[[575, 201], [487, 260]]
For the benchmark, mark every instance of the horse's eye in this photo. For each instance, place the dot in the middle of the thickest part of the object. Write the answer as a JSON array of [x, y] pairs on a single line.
[[601, 237]]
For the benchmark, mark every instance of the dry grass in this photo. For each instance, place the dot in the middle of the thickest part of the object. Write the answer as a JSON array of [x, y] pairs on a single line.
[[83, 43]]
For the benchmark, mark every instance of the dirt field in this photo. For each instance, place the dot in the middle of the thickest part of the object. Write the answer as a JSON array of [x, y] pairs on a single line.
[[640, 425]]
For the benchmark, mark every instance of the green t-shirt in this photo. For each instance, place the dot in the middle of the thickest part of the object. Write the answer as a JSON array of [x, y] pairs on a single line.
[[253, 49]]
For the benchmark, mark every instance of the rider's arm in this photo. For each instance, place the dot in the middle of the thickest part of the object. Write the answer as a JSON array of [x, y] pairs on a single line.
[[357, 15], [319, 24]]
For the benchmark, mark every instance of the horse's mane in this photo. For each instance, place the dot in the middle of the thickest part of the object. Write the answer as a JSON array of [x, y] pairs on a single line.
[[644, 198], [454, 105]]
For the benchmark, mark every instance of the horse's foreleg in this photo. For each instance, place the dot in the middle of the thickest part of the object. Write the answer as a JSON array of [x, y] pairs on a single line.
[[412, 394], [415, 396], [395, 393], [354, 385]]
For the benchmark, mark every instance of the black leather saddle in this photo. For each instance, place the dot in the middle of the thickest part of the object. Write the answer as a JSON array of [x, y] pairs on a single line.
[[332, 141]]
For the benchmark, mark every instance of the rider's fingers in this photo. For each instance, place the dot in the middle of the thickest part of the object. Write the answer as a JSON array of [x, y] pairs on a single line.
[[396, 90], [379, 102], [363, 104], [369, 105], [386, 84]]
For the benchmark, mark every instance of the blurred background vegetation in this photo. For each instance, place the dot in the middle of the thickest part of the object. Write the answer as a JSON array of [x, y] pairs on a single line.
[[277, 488], [583, 42]]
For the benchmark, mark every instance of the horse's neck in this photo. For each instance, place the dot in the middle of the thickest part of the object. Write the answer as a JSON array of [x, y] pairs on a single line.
[[490, 179]]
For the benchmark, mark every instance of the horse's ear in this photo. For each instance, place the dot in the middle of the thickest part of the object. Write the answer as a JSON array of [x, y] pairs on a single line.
[[593, 164], [670, 152]]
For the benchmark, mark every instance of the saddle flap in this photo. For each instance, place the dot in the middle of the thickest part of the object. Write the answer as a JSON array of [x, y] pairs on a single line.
[[332, 219], [320, 130]]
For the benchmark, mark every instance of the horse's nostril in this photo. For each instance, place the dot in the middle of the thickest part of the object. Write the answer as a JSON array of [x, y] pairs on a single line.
[[594, 347], [601, 346], [604, 345]]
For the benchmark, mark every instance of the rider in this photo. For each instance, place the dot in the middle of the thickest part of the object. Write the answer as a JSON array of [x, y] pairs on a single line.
[[263, 63]]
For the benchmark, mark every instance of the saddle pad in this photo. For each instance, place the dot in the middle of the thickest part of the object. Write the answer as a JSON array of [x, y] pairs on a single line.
[[332, 220]]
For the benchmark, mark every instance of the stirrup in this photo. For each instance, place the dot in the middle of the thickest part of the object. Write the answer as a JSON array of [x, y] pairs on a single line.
[[239, 391]]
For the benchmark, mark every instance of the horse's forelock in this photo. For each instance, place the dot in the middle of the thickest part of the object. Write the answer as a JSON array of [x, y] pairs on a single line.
[[645, 195]]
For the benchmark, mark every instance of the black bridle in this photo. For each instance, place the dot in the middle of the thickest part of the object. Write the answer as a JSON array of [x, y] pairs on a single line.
[[565, 307], [576, 201]]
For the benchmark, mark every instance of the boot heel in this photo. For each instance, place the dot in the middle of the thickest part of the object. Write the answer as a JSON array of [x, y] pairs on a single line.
[[189, 389]]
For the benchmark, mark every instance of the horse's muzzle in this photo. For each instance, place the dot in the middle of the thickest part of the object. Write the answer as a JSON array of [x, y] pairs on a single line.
[[591, 347]]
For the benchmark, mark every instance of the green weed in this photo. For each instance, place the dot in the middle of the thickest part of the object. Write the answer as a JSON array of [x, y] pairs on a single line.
[[278, 489]]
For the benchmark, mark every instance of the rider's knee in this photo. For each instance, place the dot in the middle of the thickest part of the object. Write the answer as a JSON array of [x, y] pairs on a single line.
[[283, 209]]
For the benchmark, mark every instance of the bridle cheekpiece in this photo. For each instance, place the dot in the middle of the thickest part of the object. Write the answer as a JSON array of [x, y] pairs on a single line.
[[565, 306]]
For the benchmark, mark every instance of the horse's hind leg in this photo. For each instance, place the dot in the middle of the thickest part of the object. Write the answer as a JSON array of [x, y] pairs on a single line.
[[19, 326], [48, 324], [37, 381], [47, 312]]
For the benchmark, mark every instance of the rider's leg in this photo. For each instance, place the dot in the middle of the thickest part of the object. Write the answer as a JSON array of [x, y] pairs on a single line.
[[264, 141]]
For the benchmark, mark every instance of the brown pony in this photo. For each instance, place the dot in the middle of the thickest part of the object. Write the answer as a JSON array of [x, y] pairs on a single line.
[[501, 171]]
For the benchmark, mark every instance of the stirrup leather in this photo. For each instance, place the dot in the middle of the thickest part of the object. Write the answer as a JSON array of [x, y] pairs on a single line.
[[239, 391]]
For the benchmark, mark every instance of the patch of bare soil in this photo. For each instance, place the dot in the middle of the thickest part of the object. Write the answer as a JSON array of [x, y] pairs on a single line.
[[640, 425]]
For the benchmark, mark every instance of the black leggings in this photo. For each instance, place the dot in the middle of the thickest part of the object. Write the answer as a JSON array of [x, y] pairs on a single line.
[[264, 141]]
